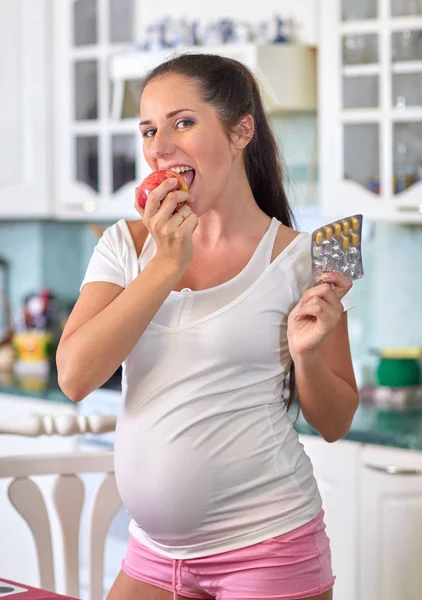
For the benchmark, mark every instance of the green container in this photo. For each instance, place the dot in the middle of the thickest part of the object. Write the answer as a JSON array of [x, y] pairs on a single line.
[[398, 372]]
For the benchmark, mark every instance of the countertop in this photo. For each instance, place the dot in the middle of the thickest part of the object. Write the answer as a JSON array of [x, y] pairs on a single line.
[[370, 425]]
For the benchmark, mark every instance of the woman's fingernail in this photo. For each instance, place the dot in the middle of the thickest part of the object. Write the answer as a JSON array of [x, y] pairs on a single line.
[[326, 276], [172, 180]]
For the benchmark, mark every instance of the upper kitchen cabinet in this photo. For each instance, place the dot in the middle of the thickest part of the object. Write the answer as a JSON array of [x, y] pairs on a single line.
[[370, 95], [24, 110], [97, 157]]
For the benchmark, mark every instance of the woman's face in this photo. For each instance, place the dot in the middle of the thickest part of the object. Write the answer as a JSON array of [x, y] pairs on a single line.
[[181, 130]]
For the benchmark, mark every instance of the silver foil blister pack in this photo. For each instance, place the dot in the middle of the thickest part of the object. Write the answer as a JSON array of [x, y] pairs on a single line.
[[337, 247]]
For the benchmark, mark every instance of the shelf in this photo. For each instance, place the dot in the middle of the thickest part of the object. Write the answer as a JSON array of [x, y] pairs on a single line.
[[95, 52], [361, 70], [374, 115], [123, 126], [358, 115], [357, 27], [407, 66], [86, 128], [93, 127], [410, 22], [406, 114]]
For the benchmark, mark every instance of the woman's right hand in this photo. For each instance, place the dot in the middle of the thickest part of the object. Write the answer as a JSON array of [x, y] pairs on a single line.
[[172, 232]]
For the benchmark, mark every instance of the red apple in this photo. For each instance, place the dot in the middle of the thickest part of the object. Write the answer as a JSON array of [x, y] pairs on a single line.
[[153, 180]]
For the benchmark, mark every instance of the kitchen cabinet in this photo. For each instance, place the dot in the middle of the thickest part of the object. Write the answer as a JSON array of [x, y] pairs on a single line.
[[25, 145], [390, 524], [370, 101], [98, 147], [372, 498], [98, 158], [18, 557], [336, 469]]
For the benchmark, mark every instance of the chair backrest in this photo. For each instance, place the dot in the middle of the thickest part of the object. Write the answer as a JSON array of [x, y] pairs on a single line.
[[68, 496]]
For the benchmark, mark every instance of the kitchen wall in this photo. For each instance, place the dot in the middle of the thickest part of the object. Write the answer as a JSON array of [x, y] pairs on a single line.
[[388, 298], [45, 254]]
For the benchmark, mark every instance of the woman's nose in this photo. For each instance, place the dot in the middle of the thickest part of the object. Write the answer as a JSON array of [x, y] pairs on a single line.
[[162, 145]]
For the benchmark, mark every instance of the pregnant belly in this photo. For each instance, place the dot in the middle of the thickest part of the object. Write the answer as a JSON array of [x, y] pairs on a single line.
[[178, 489], [165, 489]]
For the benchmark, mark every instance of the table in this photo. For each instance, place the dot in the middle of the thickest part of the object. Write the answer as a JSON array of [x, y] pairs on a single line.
[[21, 591]]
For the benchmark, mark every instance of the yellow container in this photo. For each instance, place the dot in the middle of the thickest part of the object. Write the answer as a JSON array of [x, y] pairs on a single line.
[[33, 346]]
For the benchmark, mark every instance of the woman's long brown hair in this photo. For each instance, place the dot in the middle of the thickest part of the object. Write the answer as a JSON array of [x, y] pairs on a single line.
[[231, 88]]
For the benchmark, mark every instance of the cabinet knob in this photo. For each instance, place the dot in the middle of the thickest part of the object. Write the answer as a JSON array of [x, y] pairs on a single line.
[[393, 470]]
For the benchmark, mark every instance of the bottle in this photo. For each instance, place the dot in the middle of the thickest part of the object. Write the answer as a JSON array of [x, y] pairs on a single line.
[[4, 302], [402, 169]]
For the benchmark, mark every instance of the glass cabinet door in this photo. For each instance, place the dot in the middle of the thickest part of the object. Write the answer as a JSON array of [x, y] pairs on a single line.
[[406, 94], [85, 90], [361, 155], [86, 149], [85, 22], [122, 21], [404, 8], [406, 155], [358, 10], [123, 159], [103, 152], [361, 72]]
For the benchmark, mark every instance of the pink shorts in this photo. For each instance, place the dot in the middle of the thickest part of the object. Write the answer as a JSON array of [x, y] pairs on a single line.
[[294, 565]]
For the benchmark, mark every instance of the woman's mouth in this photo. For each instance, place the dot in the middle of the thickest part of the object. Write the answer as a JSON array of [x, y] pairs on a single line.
[[187, 173]]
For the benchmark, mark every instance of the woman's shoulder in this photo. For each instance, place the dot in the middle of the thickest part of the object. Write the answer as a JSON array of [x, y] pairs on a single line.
[[124, 235], [138, 233], [291, 243]]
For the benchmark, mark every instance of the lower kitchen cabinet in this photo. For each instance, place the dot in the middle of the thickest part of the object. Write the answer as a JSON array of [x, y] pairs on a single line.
[[18, 559], [336, 469], [390, 524], [372, 497]]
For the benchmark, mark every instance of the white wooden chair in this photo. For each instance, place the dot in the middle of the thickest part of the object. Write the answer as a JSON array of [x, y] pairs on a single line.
[[68, 496]]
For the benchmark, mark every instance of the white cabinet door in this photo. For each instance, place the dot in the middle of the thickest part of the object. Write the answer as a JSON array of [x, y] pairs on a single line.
[[24, 102], [336, 469], [98, 159], [391, 524], [18, 557], [370, 99]]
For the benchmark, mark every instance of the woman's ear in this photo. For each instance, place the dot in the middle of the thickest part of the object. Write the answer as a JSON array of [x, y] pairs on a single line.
[[243, 132]]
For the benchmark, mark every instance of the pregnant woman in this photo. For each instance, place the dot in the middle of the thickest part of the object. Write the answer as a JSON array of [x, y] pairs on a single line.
[[208, 303]]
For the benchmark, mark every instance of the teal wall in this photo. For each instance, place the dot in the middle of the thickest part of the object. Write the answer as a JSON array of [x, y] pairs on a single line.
[[388, 299]]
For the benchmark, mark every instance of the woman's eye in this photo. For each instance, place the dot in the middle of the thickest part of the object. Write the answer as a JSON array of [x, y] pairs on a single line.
[[183, 123], [148, 133]]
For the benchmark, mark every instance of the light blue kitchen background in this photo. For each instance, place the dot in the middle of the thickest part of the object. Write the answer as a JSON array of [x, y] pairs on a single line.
[[388, 299]]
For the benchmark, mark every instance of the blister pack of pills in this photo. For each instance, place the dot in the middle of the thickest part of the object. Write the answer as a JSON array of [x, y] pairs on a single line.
[[337, 247]]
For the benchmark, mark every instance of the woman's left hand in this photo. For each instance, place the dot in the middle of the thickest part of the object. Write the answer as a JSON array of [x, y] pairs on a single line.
[[317, 314]]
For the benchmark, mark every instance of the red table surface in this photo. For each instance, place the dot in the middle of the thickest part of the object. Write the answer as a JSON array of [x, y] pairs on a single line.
[[32, 593]]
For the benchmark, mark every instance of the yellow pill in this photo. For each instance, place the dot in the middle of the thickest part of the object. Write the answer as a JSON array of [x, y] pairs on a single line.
[[345, 242], [355, 223], [346, 226], [328, 232], [319, 238], [337, 228], [354, 238]]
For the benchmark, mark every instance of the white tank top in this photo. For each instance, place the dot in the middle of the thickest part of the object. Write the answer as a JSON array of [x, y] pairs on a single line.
[[206, 456]]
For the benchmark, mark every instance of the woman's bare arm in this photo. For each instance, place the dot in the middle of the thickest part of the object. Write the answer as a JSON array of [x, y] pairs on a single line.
[[105, 325], [326, 385]]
